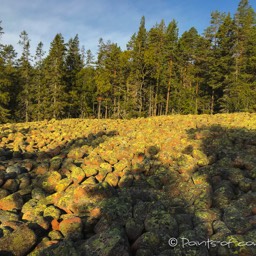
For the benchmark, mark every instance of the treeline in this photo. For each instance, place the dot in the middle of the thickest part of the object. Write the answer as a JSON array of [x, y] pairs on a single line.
[[158, 74]]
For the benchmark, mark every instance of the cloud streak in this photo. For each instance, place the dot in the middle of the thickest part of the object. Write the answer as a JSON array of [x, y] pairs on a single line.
[[114, 20]]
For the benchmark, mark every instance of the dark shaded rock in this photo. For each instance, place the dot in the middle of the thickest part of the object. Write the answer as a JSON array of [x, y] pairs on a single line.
[[126, 181], [11, 185], [112, 242], [62, 248], [223, 194], [148, 240], [245, 184], [161, 221], [15, 242], [140, 210], [24, 180], [8, 216], [55, 163], [133, 228], [235, 221], [3, 193], [38, 193]]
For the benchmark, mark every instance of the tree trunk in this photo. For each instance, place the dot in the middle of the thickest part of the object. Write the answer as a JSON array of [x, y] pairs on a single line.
[[99, 109], [106, 111], [196, 102], [167, 99], [212, 102]]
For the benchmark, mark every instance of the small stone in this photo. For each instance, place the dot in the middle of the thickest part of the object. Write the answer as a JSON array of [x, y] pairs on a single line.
[[77, 173], [52, 211], [11, 185], [11, 202], [89, 170], [71, 228], [19, 242], [111, 179], [13, 168]]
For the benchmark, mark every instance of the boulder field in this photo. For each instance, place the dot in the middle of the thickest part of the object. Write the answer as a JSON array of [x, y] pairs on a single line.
[[161, 186]]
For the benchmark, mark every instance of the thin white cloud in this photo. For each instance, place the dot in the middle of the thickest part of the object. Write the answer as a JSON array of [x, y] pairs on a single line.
[[114, 20]]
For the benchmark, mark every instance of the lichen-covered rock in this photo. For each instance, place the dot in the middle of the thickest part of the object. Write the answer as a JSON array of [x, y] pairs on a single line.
[[11, 202], [223, 195], [235, 221], [49, 181], [148, 240], [133, 228], [19, 242], [8, 216], [111, 179], [52, 211], [77, 173], [126, 181], [159, 220], [71, 228], [89, 170], [55, 163], [65, 247], [112, 242]]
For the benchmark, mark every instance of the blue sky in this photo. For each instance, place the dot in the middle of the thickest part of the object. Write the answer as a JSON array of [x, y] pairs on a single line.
[[114, 20]]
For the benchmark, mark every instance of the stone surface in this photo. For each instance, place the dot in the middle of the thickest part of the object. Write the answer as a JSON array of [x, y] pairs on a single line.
[[19, 242]]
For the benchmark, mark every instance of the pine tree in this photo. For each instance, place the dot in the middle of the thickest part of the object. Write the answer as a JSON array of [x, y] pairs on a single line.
[[86, 88], [243, 91], [171, 41], [39, 89], [54, 72], [11, 83], [139, 73], [74, 64], [25, 72], [214, 71], [107, 77], [4, 94], [186, 90], [155, 60]]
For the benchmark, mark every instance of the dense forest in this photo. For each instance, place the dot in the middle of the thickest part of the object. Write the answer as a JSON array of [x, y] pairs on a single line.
[[159, 73]]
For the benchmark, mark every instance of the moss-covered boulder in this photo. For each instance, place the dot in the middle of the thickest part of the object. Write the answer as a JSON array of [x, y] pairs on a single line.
[[108, 243], [19, 242]]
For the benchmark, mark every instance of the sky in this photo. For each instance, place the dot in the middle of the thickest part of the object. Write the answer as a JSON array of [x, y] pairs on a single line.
[[114, 20]]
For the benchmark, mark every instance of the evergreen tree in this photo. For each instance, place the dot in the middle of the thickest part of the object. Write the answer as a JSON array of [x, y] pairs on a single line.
[[4, 94], [139, 73], [85, 87], [242, 93], [187, 89], [25, 73], [107, 79], [74, 64], [39, 88], [10, 78], [214, 70], [171, 41], [54, 70], [155, 60]]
